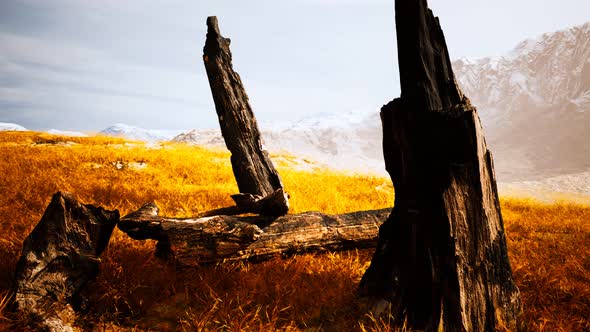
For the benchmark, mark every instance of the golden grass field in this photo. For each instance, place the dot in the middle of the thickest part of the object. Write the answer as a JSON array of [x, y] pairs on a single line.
[[549, 244]]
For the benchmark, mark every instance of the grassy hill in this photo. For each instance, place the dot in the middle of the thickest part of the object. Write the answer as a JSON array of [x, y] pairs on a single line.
[[549, 244]]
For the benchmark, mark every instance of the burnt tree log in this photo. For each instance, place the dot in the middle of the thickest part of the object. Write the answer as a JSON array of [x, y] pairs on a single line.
[[190, 242], [59, 257], [252, 167], [442, 260], [272, 204]]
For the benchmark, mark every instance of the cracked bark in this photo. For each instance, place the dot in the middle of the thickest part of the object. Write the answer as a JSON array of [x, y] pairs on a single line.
[[190, 242], [58, 258], [442, 260], [252, 167]]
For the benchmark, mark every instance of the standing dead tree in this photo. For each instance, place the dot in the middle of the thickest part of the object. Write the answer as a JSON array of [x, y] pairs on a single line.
[[442, 260], [259, 182]]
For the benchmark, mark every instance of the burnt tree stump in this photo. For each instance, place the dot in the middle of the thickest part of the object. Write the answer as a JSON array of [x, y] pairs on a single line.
[[59, 257], [442, 260], [252, 167]]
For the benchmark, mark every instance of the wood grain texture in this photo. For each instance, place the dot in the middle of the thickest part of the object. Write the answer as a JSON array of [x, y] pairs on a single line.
[[252, 167], [201, 240], [58, 258], [442, 260]]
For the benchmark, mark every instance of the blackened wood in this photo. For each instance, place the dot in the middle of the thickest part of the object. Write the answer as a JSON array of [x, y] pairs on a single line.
[[59, 257], [441, 260], [426, 75], [253, 169], [275, 204], [210, 239]]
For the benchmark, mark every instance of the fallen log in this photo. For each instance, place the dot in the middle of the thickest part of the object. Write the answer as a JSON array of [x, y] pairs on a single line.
[[441, 262], [252, 167], [58, 258], [203, 240]]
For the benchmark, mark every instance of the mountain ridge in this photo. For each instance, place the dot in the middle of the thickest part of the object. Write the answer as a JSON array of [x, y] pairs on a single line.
[[534, 103], [141, 134]]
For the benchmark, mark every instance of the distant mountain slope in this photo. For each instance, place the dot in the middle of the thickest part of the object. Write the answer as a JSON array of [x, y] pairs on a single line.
[[535, 103], [5, 126], [349, 141], [136, 133], [210, 137]]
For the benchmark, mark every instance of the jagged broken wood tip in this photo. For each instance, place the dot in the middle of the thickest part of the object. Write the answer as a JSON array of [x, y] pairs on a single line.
[[213, 24]]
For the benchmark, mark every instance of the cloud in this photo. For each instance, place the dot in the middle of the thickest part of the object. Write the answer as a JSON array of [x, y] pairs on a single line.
[[341, 3], [39, 78], [84, 64]]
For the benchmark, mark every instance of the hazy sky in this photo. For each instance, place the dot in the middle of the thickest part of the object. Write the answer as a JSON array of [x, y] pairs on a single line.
[[86, 64]]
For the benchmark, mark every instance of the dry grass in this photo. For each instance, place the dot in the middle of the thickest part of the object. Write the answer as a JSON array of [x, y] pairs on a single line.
[[549, 247], [549, 244]]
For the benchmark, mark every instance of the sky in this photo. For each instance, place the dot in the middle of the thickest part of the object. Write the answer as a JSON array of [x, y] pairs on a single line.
[[86, 64]]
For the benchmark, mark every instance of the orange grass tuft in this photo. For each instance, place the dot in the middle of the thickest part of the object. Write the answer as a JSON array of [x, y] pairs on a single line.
[[549, 245], [549, 248]]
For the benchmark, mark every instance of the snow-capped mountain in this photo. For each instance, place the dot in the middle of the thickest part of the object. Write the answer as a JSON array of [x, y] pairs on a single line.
[[141, 134], [550, 71], [5, 126], [534, 103], [349, 141], [210, 137]]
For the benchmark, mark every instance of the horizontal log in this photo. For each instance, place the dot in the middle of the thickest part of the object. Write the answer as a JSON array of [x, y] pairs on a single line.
[[210, 239]]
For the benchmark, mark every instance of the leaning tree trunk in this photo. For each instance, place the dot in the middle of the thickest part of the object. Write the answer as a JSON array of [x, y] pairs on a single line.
[[441, 260], [253, 169]]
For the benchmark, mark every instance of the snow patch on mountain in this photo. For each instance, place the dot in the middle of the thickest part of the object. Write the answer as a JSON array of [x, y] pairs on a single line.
[[346, 142], [534, 102], [569, 187], [5, 126], [576, 182], [207, 137], [349, 120], [349, 141], [140, 134]]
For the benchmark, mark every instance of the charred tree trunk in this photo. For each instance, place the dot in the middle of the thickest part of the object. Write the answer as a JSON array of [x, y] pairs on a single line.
[[191, 242], [271, 205], [441, 260], [59, 257], [253, 169]]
